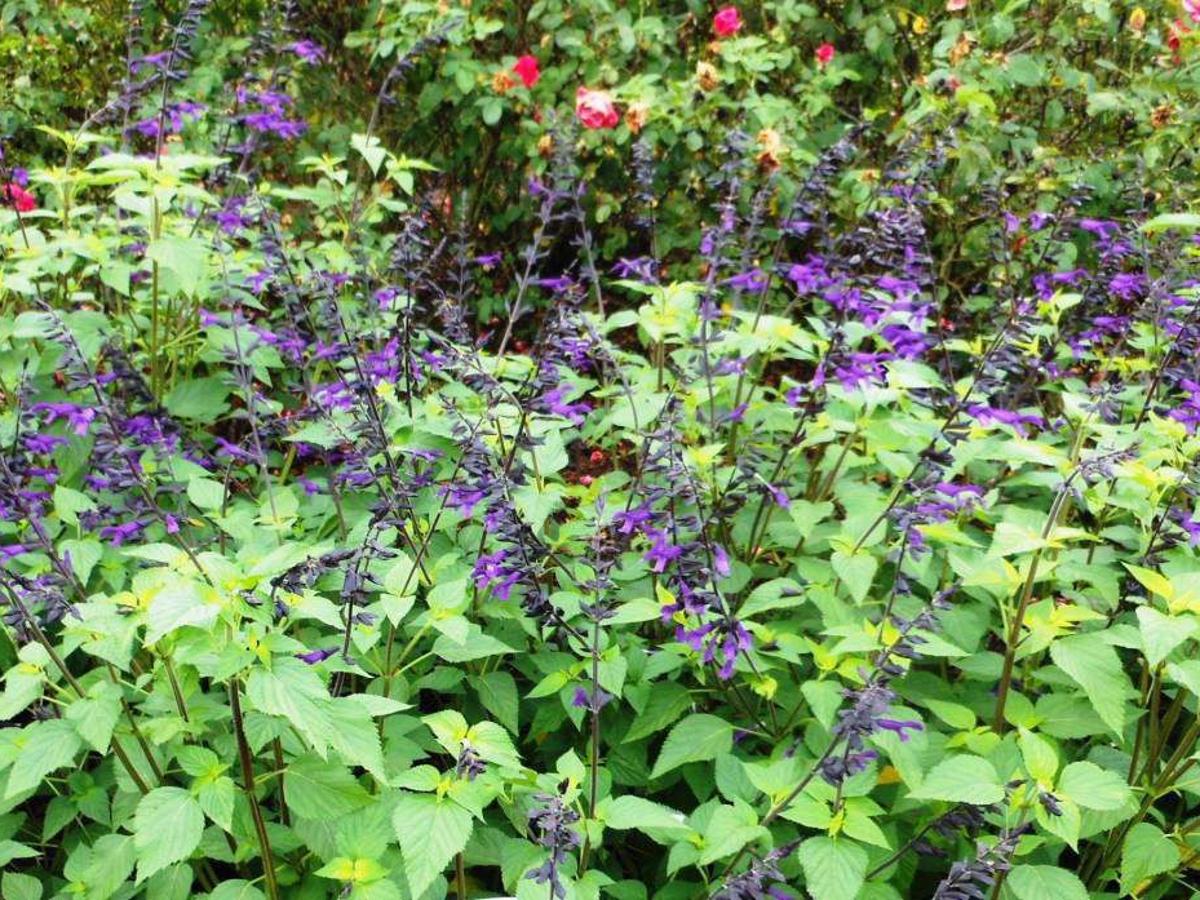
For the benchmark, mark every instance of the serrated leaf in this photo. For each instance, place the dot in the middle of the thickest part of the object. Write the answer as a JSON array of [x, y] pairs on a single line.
[[1093, 787], [1147, 852], [431, 830], [668, 701], [167, 827], [295, 691], [42, 747], [833, 869], [184, 257], [216, 799], [857, 572], [660, 823], [1161, 633], [321, 789], [498, 694], [962, 779], [96, 715], [1094, 666], [15, 886], [1044, 883], [697, 738]]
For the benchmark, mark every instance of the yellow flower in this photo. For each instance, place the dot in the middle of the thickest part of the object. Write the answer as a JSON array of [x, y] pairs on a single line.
[[1137, 20], [920, 25]]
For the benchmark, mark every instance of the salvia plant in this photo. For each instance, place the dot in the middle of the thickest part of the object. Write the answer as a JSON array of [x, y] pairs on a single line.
[[348, 551]]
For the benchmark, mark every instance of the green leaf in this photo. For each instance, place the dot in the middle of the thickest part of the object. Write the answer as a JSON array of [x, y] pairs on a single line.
[[698, 737], [166, 829], [206, 493], [322, 790], [22, 685], [68, 503], [236, 889], [216, 799], [962, 779], [1094, 665], [660, 823], [15, 886], [1010, 538], [856, 572], [1045, 883], [370, 150], [1182, 221], [198, 399], [476, 645], [42, 747], [833, 869], [84, 554], [668, 701], [431, 830], [104, 867], [95, 716], [1040, 759], [180, 604], [498, 694], [184, 257], [295, 691], [1093, 787], [1147, 852], [1161, 633]]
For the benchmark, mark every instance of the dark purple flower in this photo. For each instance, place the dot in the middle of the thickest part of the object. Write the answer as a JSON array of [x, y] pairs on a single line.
[[662, 553], [900, 726], [309, 51], [752, 281], [312, 657]]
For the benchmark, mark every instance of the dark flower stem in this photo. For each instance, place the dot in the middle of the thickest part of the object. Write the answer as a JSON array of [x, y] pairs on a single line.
[[908, 845], [247, 765]]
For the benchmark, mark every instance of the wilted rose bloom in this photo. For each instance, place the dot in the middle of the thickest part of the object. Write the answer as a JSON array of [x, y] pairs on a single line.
[[707, 76], [770, 148], [825, 54], [527, 70], [596, 109], [503, 82], [636, 115], [1175, 32], [1137, 20], [727, 22], [19, 197]]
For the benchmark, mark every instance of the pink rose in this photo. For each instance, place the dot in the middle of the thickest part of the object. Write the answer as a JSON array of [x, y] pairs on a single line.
[[727, 22], [955, 5], [596, 109], [527, 70], [825, 54], [1192, 8]]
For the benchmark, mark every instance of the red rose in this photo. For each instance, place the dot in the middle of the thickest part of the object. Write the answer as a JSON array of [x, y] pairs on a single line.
[[19, 197], [527, 70], [727, 22], [825, 53], [596, 109]]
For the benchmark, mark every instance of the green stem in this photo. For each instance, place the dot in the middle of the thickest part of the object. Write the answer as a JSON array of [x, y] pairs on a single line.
[[1014, 629]]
